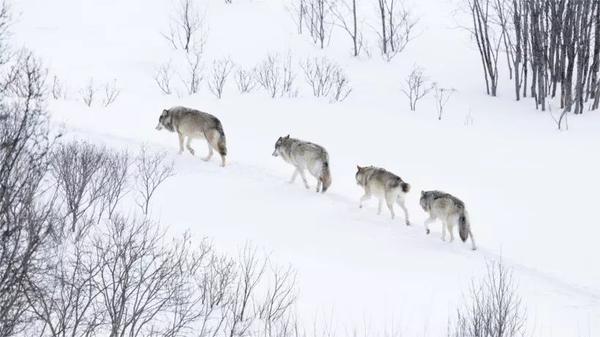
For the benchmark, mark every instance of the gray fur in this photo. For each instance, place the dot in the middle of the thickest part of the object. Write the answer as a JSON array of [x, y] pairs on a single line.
[[385, 186], [305, 156], [195, 124], [450, 210]]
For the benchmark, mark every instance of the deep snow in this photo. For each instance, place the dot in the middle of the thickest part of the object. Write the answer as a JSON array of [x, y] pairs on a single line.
[[531, 191]]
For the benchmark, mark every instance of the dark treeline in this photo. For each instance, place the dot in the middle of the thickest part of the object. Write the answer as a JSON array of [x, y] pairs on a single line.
[[551, 47]]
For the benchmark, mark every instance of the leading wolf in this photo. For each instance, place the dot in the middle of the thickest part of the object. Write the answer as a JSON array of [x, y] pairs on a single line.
[[385, 186], [195, 124], [451, 211], [305, 156]]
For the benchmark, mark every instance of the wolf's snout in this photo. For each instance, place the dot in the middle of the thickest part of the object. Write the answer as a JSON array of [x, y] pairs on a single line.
[[158, 127], [275, 153]]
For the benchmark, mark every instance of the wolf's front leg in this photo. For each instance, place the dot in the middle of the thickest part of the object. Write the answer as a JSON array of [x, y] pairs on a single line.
[[181, 139], [294, 175], [364, 198], [189, 145], [444, 230], [427, 222], [303, 176], [379, 202]]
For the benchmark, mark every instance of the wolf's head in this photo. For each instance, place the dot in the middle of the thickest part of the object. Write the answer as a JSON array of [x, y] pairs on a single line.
[[360, 175], [279, 144], [165, 121], [423, 201]]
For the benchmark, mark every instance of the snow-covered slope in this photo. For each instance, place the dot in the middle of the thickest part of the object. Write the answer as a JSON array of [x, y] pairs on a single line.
[[531, 191]]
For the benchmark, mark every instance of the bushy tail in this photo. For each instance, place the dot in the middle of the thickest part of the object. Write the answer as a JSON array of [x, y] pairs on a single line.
[[464, 227], [405, 187], [325, 177], [222, 144]]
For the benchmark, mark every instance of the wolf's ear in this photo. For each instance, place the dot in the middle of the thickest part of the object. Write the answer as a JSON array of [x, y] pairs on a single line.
[[358, 167], [165, 112], [422, 193], [287, 137]]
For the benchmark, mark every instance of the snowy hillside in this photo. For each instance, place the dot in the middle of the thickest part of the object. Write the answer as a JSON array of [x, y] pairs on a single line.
[[531, 191]]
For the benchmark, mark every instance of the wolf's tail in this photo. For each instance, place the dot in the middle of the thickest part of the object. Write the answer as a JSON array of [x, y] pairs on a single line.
[[464, 227], [325, 176], [405, 187], [222, 143]]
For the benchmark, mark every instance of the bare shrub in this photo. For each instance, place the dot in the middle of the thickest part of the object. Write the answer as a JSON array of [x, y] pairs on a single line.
[[245, 80], [326, 79], [397, 26], [415, 87], [442, 95], [276, 76], [88, 93], [162, 78], [81, 172], [58, 90], [186, 28], [218, 77], [151, 171], [493, 308], [194, 70], [111, 93]]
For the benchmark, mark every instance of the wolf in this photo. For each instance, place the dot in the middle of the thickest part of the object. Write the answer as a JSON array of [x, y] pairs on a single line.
[[194, 124], [305, 156], [450, 210], [384, 185]]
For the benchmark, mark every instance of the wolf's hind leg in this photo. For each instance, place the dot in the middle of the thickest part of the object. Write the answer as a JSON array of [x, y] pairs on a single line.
[[318, 185], [444, 225], [403, 206], [210, 152], [473, 245], [189, 145], [390, 205], [181, 139], [451, 229]]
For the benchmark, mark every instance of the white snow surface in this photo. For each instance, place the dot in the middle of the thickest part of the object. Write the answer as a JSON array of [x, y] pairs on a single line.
[[531, 191]]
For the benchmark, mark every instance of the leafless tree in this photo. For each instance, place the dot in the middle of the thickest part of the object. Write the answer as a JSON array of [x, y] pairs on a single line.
[[163, 78], [111, 93], [152, 169], [80, 171], [416, 87], [298, 11], [194, 72], [276, 76], [117, 184], [318, 20], [218, 77], [346, 17], [326, 79], [58, 90], [186, 28], [88, 93], [5, 21], [26, 209], [442, 95], [397, 26], [245, 80], [494, 308]]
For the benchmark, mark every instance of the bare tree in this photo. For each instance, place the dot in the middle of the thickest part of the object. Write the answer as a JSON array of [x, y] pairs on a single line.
[[245, 80], [415, 87], [442, 95], [494, 308], [218, 77], [326, 79], [88, 93], [345, 14], [298, 11], [26, 208], [318, 20], [152, 169], [397, 26], [80, 171], [58, 90], [186, 28], [111, 93], [194, 72], [162, 78]]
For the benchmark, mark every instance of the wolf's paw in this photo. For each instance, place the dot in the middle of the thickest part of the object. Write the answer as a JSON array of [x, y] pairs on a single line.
[[407, 223], [206, 158], [192, 152], [427, 231]]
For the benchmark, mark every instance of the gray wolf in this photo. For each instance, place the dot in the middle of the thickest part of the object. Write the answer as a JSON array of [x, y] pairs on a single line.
[[451, 211], [194, 124], [305, 156], [384, 185]]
